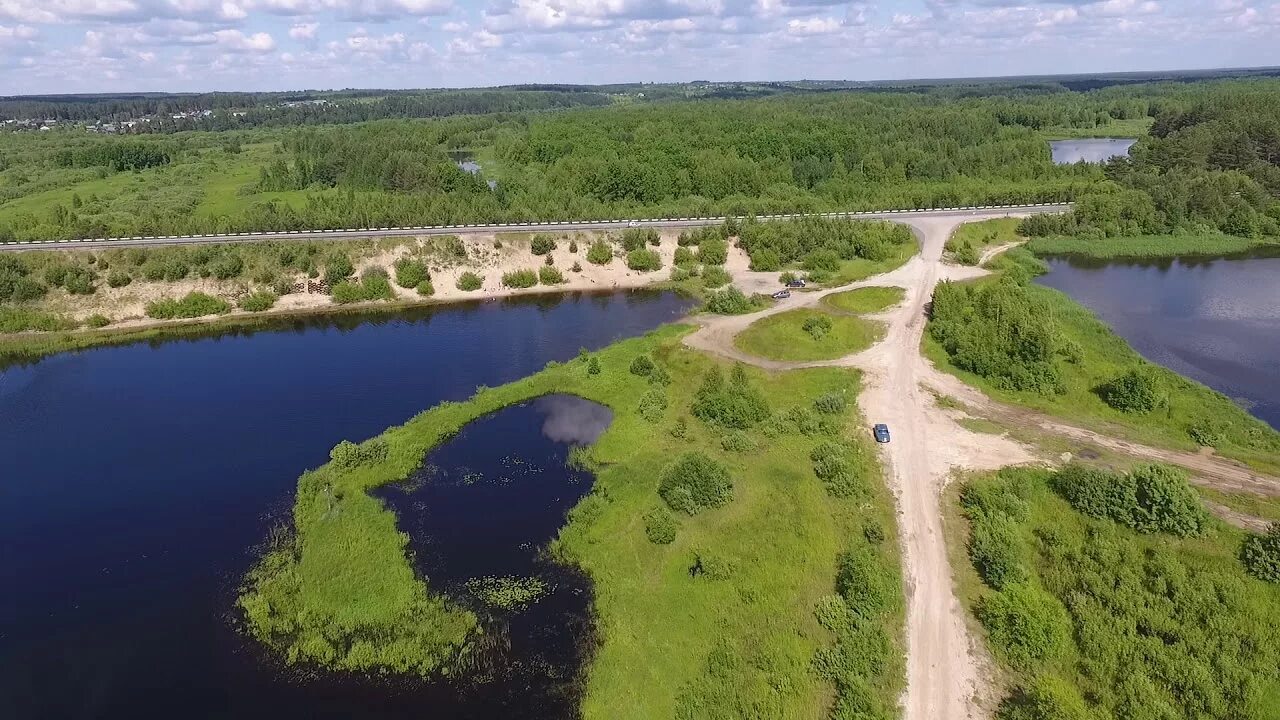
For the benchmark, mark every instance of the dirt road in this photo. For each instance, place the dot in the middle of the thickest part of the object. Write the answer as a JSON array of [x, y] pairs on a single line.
[[945, 667]]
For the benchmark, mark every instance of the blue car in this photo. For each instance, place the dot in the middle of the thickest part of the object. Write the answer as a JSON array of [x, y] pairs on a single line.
[[881, 432]]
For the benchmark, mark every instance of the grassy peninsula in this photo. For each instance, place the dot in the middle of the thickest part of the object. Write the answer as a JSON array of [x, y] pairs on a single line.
[[797, 609], [807, 334]]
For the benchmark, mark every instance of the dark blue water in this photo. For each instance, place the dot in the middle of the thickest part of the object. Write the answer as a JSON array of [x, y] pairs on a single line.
[[1213, 320], [483, 507], [135, 482], [1091, 150]]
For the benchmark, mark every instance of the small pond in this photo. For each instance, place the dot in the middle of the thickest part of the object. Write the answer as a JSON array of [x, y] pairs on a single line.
[[1213, 320], [481, 511], [137, 481], [1090, 150]]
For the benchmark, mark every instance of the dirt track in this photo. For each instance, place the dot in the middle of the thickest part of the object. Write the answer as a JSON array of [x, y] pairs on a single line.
[[944, 665]]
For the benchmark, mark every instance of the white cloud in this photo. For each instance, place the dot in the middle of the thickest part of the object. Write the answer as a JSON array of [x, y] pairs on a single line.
[[813, 26], [304, 31], [238, 42], [454, 27]]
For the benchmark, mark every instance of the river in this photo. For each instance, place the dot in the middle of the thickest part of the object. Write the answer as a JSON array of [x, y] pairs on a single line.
[[138, 479], [1213, 320]]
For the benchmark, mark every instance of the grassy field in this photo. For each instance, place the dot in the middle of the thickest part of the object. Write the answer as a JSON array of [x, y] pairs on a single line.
[[861, 268], [1152, 246], [969, 240], [769, 633], [1111, 622], [1103, 355], [799, 335], [866, 300]]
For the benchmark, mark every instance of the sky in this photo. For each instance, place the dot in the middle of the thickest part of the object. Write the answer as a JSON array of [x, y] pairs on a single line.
[[65, 46]]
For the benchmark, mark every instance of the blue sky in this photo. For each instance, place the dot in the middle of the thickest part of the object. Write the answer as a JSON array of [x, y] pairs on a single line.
[[181, 45]]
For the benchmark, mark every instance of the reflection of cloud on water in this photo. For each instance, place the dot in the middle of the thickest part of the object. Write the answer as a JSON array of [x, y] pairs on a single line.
[[572, 419]]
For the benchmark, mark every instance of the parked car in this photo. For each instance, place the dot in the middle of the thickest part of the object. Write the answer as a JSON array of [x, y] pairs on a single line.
[[881, 431], [797, 283], [633, 223], [782, 295]]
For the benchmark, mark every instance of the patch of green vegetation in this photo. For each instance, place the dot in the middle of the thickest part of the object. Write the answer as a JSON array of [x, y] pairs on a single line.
[[1150, 246], [774, 597], [798, 335], [1033, 346], [1094, 619], [600, 253], [520, 279], [1112, 128], [507, 593], [643, 260], [969, 240], [548, 275], [259, 301], [732, 301], [981, 425], [469, 282], [192, 305], [374, 284], [866, 300]]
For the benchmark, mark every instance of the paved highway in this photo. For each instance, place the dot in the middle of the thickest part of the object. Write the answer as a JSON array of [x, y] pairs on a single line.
[[562, 226]]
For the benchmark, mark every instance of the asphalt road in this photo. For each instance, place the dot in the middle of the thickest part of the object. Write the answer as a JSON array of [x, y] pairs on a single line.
[[564, 226]]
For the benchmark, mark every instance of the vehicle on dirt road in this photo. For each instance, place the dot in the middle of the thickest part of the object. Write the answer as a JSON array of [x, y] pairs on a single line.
[[881, 431], [797, 283], [782, 295]]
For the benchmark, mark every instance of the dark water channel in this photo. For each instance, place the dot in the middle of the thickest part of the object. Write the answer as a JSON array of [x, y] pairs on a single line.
[[1091, 150], [1213, 320], [135, 482], [483, 508]]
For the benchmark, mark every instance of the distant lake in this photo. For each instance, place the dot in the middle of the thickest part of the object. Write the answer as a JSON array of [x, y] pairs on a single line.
[[1091, 150], [136, 481], [1216, 321]]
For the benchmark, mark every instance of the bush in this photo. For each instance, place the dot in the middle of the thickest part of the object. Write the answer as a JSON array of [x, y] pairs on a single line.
[[469, 281], [118, 278], [737, 404], [636, 238], [282, 286], [713, 251], [737, 441], [542, 244], [347, 292], [660, 526], [714, 276], [377, 286], [1135, 392], [1260, 555], [818, 326], [425, 288], [644, 260], [577, 267], [97, 320], [995, 550], [338, 268], [1045, 698], [695, 483], [550, 260], [573, 246], [195, 304], [653, 404], [347, 455], [550, 276], [593, 366], [642, 366], [831, 465], [729, 301], [79, 281], [659, 376], [600, 253], [1151, 498], [411, 273], [831, 403], [258, 302], [684, 256], [520, 279], [1025, 624]]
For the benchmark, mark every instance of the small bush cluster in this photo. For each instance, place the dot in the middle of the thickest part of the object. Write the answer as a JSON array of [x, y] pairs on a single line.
[[713, 251], [411, 273], [818, 326], [1150, 498], [714, 276], [1136, 391], [1260, 555], [1026, 624], [194, 304], [731, 301], [737, 441], [642, 366], [373, 285], [653, 404], [542, 244], [636, 238], [548, 275], [735, 404], [97, 320], [347, 455], [694, 483], [660, 526], [600, 253], [644, 260], [258, 302], [838, 467], [831, 403], [520, 279], [469, 282]]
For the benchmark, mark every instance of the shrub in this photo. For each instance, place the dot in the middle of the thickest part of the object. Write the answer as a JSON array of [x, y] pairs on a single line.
[[1135, 392], [679, 274], [195, 304], [347, 292], [684, 256], [469, 281], [376, 284], [282, 286], [653, 404], [542, 244], [347, 455], [258, 302], [642, 366], [520, 279], [695, 483], [573, 247], [550, 260], [729, 301], [831, 403], [118, 278], [97, 320], [818, 326], [831, 465], [737, 441], [636, 238], [1025, 624], [737, 404], [453, 247], [765, 261], [660, 526], [869, 591], [79, 281], [1151, 498], [644, 260], [994, 549], [713, 251], [659, 376], [425, 288], [1045, 698], [593, 366], [680, 430], [26, 288], [1260, 554], [600, 253], [338, 268], [550, 276], [411, 273], [714, 276], [787, 278], [577, 267], [711, 565]]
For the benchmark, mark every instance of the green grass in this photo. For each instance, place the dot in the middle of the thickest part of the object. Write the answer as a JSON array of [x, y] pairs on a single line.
[[1104, 356], [968, 241], [1159, 626], [1151, 246], [866, 300], [672, 644], [1134, 128], [860, 268], [783, 337]]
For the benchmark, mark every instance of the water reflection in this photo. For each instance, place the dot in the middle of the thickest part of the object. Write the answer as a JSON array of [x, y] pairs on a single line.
[[1090, 150], [571, 419]]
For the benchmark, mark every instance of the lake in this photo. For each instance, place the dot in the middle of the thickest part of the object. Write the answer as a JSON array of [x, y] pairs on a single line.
[[138, 480], [1091, 150], [1216, 321]]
